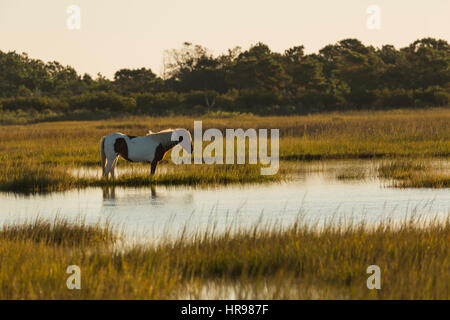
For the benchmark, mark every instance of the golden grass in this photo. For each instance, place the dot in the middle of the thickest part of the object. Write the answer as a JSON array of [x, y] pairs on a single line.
[[425, 181], [39, 156], [35, 178], [414, 174], [60, 232], [351, 174], [346, 135], [261, 263]]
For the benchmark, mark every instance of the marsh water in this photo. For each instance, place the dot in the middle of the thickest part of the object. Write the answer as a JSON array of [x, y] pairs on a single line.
[[314, 193]]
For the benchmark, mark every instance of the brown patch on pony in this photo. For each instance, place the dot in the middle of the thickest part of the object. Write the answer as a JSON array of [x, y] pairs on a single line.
[[120, 146], [159, 154]]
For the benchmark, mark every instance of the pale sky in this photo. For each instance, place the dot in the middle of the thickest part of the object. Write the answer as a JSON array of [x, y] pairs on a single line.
[[117, 34]]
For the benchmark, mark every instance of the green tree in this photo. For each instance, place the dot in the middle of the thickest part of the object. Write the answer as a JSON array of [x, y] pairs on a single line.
[[142, 80], [258, 70]]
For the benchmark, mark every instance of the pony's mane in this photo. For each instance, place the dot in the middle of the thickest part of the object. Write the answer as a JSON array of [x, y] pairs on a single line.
[[162, 131]]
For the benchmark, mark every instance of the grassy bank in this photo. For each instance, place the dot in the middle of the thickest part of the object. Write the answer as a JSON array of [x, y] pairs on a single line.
[[34, 178], [39, 156], [301, 262]]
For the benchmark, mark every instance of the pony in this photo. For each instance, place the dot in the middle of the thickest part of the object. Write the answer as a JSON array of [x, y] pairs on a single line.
[[150, 148]]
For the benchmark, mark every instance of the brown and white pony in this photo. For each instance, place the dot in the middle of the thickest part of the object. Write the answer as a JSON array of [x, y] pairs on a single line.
[[150, 148]]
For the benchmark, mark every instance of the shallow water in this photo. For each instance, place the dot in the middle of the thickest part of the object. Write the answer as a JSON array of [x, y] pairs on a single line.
[[154, 213]]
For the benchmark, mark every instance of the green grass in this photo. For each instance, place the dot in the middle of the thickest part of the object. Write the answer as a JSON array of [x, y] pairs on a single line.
[[300, 262]]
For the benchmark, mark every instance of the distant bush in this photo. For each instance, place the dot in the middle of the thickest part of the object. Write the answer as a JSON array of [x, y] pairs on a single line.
[[34, 103], [225, 114], [103, 101], [162, 103], [313, 101], [397, 98], [433, 95], [254, 101], [227, 101]]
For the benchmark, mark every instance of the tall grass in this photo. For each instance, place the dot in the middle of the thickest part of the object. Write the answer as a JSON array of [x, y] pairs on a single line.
[[326, 136], [414, 174], [32, 177], [38, 157], [29, 177], [60, 231], [263, 263]]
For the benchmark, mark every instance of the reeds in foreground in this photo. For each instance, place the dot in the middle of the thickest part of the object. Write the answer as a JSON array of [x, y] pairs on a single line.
[[300, 262]]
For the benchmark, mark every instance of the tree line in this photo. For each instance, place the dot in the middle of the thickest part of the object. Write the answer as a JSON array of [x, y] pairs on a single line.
[[344, 76]]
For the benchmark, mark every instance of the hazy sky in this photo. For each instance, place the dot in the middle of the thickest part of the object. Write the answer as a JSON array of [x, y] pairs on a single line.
[[134, 33]]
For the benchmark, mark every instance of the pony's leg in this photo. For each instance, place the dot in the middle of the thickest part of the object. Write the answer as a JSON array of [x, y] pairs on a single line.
[[103, 154], [109, 164], [153, 168], [113, 167]]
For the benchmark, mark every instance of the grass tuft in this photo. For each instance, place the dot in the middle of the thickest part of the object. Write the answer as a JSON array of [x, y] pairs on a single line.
[[414, 174], [60, 231]]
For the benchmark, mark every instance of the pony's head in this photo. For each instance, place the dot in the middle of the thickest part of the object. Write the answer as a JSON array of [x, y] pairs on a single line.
[[172, 137]]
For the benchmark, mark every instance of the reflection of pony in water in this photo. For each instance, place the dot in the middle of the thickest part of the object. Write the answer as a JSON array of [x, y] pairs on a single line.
[[109, 192], [150, 148]]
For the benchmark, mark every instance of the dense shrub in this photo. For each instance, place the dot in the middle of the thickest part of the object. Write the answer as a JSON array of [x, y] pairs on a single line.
[[34, 103], [103, 101], [162, 103], [397, 98]]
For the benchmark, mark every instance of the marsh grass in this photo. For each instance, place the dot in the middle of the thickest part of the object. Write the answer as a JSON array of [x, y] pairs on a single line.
[[257, 263], [37, 178], [29, 177], [425, 181], [403, 133], [414, 174], [39, 157], [400, 169], [351, 174], [61, 231]]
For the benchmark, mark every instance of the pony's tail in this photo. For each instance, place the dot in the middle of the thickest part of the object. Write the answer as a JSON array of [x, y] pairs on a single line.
[[103, 155]]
